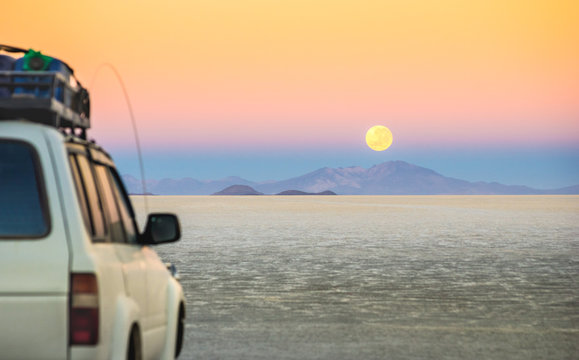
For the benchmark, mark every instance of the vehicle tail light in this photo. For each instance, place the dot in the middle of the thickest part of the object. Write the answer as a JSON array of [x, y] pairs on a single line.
[[84, 310]]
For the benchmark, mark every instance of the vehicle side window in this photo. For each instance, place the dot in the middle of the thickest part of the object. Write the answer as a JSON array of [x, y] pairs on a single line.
[[127, 214], [23, 203], [79, 185], [95, 206], [111, 207]]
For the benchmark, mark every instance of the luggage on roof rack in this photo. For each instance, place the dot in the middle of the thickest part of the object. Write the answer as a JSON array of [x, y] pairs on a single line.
[[42, 89]]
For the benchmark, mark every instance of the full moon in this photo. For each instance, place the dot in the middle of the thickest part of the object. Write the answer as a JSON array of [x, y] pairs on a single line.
[[379, 138]]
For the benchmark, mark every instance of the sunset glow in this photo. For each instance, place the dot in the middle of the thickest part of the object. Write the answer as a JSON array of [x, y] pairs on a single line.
[[283, 75]]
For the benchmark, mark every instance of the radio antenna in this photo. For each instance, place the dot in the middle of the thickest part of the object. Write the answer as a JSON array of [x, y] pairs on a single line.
[[133, 122]]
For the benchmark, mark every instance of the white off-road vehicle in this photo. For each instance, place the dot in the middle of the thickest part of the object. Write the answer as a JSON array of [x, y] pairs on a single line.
[[77, 278]]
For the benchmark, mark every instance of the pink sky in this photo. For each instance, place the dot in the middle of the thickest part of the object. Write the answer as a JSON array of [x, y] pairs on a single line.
[[221, 79], [209, 74]]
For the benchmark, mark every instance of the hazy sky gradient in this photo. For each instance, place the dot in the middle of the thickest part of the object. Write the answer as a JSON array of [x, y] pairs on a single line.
[[479, 89]]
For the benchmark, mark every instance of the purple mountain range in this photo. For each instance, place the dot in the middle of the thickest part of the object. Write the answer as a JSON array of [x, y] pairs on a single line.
[[389, 178]]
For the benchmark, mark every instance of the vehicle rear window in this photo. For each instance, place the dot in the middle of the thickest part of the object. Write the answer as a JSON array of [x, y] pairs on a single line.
[[23, 207]]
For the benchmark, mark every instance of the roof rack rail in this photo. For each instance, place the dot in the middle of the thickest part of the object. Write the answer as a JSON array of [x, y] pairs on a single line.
[[42, 89]]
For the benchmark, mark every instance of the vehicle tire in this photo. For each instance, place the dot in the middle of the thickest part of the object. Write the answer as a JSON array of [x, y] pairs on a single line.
[[134, 349], [180, 331]]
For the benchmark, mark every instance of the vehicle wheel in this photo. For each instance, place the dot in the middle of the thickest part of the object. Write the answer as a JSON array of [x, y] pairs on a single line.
[[134, 347], [180, 331]]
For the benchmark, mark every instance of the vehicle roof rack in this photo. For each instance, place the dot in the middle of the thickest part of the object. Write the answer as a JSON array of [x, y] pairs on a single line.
[[42, 89]]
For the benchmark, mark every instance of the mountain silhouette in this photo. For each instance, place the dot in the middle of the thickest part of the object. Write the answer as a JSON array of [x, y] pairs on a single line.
[[302, 193], [238, 190], [389, 178]]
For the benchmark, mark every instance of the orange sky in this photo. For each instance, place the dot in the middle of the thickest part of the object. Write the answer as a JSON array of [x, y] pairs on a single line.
[[267, 73]]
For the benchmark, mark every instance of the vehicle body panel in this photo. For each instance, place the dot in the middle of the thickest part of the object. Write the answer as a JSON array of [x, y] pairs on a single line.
[[33, 327], [35, 272]]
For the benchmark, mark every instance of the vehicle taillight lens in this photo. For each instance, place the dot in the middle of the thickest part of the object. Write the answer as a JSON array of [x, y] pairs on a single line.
[[84, 310]]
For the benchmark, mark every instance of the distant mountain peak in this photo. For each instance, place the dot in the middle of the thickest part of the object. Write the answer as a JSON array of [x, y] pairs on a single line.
[[238, 190], [302, 193], [388, 178]]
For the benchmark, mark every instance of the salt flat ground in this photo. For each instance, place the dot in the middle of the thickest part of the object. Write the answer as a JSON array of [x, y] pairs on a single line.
[[377, 277]]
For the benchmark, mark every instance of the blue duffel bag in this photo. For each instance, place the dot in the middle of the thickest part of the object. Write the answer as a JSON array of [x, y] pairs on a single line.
[[36, 61]]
